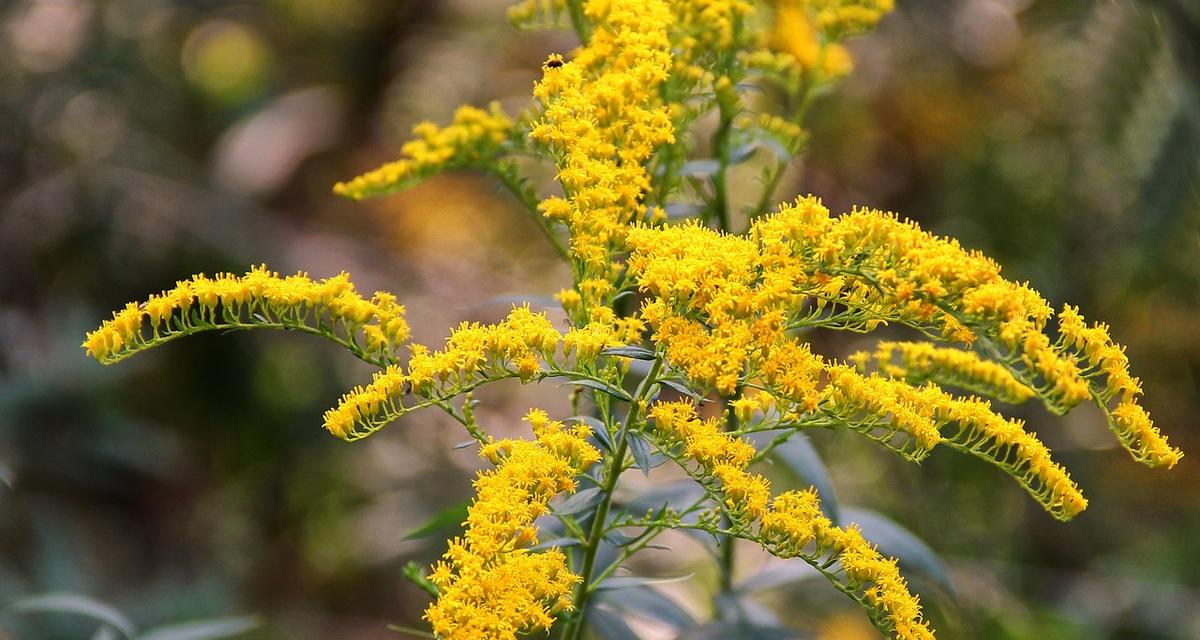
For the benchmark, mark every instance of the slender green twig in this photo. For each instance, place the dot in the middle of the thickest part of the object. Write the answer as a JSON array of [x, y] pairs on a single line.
[[720, 178], [592, 543]]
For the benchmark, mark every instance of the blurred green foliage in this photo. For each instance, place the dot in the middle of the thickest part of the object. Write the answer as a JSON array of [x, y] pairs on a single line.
[[144, 140]]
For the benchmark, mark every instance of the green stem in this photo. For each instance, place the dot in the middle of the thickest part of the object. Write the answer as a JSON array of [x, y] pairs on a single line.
[[578, 20], [592, 544], [720, 143], [652, 531], [731, 424]]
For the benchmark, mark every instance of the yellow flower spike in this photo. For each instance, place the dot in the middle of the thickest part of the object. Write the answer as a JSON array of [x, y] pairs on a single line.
[[918, 362], [1139, 435], [472, 139], [791, 524], [880, 403], [605, 99], [258, 299], [795, 527], [518, 346], [706, 28], [723, 311], [490, 584]]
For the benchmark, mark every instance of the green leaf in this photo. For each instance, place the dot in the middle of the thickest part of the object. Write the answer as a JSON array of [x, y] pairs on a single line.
[[649, 603], [896, 541], [703, 168], [637, 353], [452, 516], [641, 453], [557, 542], [106, 632], [615, 392], [606, 625], [681, 388], [581, 501], [627, 582], [745, 612], [802, 459], [598, 430], [681, 210], [73, 604], [203, 629], [742, 153], [678, 494]]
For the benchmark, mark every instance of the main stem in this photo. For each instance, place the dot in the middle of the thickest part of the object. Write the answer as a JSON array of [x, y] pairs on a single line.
[[592, 544], [720, 179], [727, 542]]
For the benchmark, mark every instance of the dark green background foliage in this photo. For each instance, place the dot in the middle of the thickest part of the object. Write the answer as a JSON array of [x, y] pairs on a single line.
[[144, 140]]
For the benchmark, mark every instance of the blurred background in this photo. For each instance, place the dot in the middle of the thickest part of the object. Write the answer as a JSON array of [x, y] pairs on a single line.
[[144, 140]]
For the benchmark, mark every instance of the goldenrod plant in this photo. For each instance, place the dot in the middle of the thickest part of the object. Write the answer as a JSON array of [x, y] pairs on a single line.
[[686, 322]]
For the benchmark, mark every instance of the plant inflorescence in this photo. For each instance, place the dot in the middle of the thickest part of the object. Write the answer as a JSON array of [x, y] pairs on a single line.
[[686, 319]]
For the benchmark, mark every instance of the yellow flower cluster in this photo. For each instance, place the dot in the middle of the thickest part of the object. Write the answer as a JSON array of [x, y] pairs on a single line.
[[720, 305], [603, 329], [883, 403], [1106, 360], [366, 409], [922, 361], [473, 139], [373, 328], [517, 346], [533, 13], [841, 17], [703, 309], [969, 424], [892, 269], [795, 527], [602, 121], [709, 25], [719, 455], [490, 584], [794, 35], [704, 31], [792, 523]]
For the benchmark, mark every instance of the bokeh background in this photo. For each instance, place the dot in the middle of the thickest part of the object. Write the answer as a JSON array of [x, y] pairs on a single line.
[[145, 140]]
